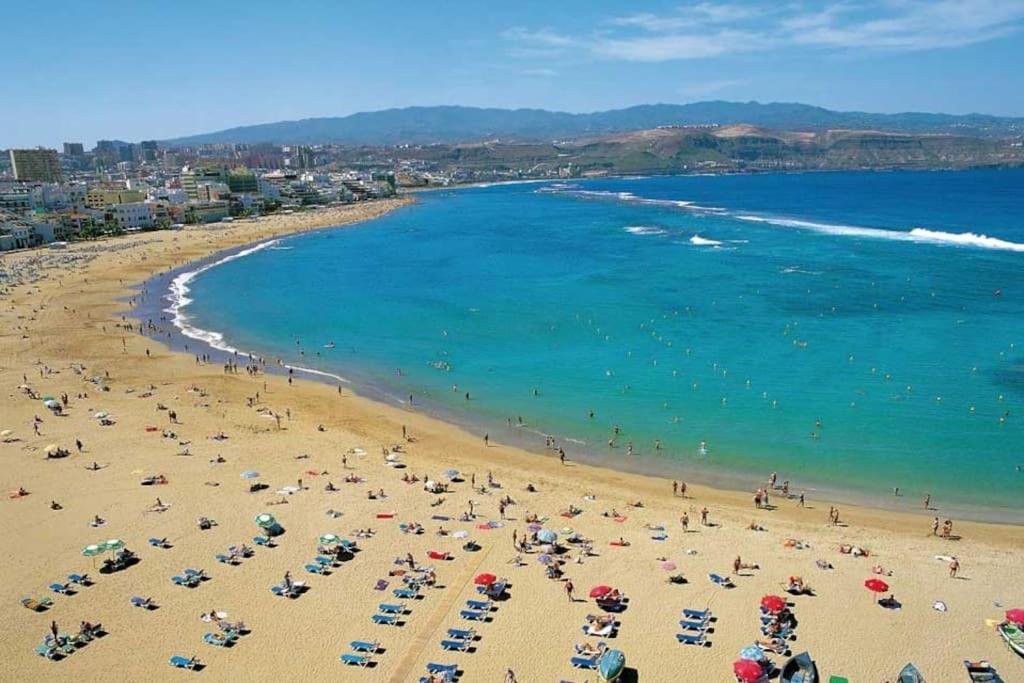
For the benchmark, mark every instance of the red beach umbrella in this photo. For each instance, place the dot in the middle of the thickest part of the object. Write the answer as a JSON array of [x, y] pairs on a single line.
[[1015, 615], [485, 579], [876, 585], [747, 670], [600, 591], [773, 603]]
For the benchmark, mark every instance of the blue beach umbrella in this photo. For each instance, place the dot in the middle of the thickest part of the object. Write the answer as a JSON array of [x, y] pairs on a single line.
[[451, 474], [753, 653], [250, 474], [547, 536], [544, 559]]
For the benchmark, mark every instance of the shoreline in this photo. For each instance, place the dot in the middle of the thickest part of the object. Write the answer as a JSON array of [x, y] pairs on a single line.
[[68, 317], [528, 439]]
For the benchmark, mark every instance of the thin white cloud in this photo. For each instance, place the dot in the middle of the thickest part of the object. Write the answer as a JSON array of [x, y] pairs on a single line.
[[703, 88], [713, 29]]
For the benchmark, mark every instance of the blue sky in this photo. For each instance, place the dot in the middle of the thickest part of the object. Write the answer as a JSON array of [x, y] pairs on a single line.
[[79, 71]]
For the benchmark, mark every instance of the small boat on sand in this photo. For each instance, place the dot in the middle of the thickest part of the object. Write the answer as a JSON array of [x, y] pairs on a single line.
[[611, 664], [910, 674], [1013, 636], [982, 672], [799, 669]]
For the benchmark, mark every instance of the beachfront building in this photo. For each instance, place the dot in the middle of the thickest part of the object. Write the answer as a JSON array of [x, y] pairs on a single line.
[[193, 178], [19, 232], [36, 165], [130, 215], [206, 212]]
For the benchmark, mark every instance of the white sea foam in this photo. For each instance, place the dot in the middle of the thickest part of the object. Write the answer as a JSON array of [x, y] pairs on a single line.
[[699, 241], [179, 299], [920, 235], [644, 230]]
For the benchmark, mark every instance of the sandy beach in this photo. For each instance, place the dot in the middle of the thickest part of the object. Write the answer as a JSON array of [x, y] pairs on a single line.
[[62, 333]]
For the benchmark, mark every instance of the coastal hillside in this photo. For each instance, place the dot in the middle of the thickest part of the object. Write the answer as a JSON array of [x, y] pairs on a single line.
[[451, 124], [731, 148]]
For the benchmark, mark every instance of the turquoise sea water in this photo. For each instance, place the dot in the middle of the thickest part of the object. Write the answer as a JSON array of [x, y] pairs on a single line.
[[852, 331]]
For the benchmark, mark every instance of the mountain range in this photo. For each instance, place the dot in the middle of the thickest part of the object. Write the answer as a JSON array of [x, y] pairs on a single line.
[[453, 124]]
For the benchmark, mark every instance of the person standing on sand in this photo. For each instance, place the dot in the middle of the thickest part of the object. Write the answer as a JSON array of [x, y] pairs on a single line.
[[927, 501], [487, 439], [954, 567], [569, 589], [704, 516], [684, 521], [935, 527], [561, 455], [801, 503], [675, 488]]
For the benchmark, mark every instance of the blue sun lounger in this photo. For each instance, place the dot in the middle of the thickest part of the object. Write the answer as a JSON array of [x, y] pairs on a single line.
[[391, 609], [364, 645], [459, 645], [183, 662], [357, 660], [688, 639], [405, 593], [693, 625], [702, 615], [450, 669], [584, 662], [214, 639], [724, 582], [324, 560], [263, 541], [226, 559], [62, 588], [80, 579], [145, 603], [462, 634], [189, 582], [473, 615], [195, 573], [159, 543], [283, 592], [316, 569], [482, 605], [47, 651], [385, 619]]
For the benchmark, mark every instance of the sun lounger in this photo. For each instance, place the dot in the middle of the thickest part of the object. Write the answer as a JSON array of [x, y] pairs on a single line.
[[606, 630], [357, 660], [189, 582], [159, 543], [693, 625], [458, 645], [263, 541], [364, 645], [700, 615], [385, 619], [443, 668], [405, 593], [226, 559], [145, 603], [723, 581], [195, 573], [80, 579], [183, 662], [584, 662], [316, 569], [462, 634], [62, 588], [36, 605], [214, 639], [473, 615], [688, 639], [484, 606], [325, 561], [387, 608], [47, 651]]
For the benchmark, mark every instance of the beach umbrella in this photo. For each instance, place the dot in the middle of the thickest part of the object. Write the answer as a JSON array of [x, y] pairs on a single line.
[[534, 527], [392, 457], [92, 550], [1015, 615], [329, 539], [461, 533], [600, 591], [6, 433], [451, 474], [485, 579], [544, 559], [668, 565], [50, 403], [51, 449], [547, 536], [773, 603], [567, 531], [265, 520], [876, 585], [113, 544], [747, 670], [48, 398], [753, 653], [250, 474], [102, 414]]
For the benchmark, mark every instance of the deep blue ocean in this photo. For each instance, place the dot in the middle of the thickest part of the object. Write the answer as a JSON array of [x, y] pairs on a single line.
[[852, 331]]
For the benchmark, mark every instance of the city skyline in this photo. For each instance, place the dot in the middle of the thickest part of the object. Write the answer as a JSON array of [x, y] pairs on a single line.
[[191, 68]]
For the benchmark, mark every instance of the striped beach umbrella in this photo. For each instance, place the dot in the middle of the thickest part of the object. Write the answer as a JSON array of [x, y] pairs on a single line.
[[92, 550], [113, 544], [329, 539]]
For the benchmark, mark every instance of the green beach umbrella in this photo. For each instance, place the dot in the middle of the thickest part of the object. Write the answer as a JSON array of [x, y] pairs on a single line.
[[329, 539], [92, 550], [113, 544], [265, 520]]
